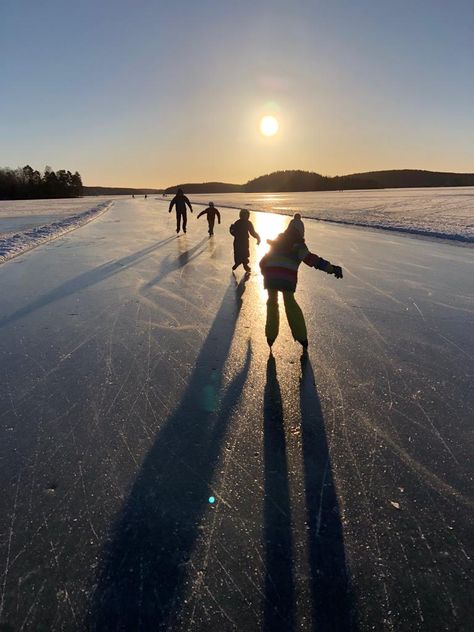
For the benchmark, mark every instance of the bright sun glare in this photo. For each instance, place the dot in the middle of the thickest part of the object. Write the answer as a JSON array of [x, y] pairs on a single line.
[[269, 126]]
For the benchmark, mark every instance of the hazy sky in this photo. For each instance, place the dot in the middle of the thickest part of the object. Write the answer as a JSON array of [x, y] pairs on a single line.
[[151, 93]]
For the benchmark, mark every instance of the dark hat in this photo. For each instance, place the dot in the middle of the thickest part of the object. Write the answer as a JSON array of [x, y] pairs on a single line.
[[297, 225]]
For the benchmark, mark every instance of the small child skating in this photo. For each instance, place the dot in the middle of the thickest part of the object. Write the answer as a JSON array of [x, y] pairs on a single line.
[[240, 231], [211, 213], [280, 274]]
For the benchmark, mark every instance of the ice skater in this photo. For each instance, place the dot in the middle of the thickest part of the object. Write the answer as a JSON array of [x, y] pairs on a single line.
[[211, 213], [180, 201], [280, 274], [240, 231]]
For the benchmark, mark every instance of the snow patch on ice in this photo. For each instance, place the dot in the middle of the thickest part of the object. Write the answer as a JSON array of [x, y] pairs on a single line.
[[14, 245]]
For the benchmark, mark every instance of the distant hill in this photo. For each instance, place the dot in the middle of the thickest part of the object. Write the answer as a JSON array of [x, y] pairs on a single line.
[[306, 181], [206, 187], [405, 178], [117, 191], [297, 180]]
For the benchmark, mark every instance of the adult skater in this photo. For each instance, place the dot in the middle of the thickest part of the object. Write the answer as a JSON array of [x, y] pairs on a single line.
[[280, 274], [211, 213], [180, 200], [240, 231]]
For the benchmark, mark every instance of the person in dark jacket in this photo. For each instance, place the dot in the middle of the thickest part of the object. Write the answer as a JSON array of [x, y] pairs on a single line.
[[211, 213], [180, 201], [280, 274], [240, 231]]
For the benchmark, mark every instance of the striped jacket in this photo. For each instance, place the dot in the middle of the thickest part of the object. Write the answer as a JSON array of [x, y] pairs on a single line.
[[280, 265]]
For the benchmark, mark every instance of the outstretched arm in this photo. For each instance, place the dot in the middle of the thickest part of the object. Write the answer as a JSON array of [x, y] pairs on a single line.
[[315, 261], [218, 216], [172, 203], [188, 203], [254, 233], [329, 268], [202, 213]]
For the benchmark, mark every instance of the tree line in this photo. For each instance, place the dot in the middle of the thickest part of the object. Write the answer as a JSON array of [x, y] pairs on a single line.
[[28, 183], [289, 180], [298, 180]]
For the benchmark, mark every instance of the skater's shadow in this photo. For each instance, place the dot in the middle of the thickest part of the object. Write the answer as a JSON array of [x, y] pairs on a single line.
[[331, 595], [240, 289], [279, 581], [144, 565], [85, 280], [170, 264], [331, 604]]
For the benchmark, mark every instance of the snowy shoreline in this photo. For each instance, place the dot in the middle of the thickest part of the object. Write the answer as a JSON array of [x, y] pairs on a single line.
[[413, 231], [21, 242], [461, 238]]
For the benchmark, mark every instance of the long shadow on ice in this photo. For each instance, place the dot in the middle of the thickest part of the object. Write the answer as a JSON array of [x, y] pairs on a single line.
[[169, 264], [331, 595], [85, 280], [141, 582], [279, 579]]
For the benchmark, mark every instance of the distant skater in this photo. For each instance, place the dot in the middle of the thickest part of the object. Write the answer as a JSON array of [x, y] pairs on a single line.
[[240, 231], [280, 274], [211, 213], [181, 201]]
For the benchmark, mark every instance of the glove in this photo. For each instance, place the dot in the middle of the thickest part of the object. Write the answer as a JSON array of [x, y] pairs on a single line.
[[337, 271]]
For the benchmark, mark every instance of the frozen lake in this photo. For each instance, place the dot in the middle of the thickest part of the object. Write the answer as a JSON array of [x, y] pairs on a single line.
[[446, 213], [137, 384], [439, 212]]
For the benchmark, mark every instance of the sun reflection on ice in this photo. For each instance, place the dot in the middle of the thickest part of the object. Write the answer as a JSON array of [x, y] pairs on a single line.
[[268, 226]]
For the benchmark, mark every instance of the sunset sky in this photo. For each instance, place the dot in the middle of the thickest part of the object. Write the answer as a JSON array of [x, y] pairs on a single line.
[[151, 93]]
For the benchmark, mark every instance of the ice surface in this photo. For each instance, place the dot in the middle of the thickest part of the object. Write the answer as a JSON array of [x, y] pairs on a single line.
[[136, 383]]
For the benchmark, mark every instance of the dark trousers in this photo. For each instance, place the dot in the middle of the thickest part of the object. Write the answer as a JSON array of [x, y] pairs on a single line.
[[181, 215], [211, 221]]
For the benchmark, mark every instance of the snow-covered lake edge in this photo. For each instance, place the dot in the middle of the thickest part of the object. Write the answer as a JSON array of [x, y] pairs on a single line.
[[21, 242], [461, 238], [433, 214]]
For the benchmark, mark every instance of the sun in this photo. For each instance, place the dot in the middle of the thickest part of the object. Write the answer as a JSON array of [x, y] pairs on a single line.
[[269, 126]]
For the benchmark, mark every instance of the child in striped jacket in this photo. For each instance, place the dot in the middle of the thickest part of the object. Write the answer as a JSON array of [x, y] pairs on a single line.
[[280, 274]]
